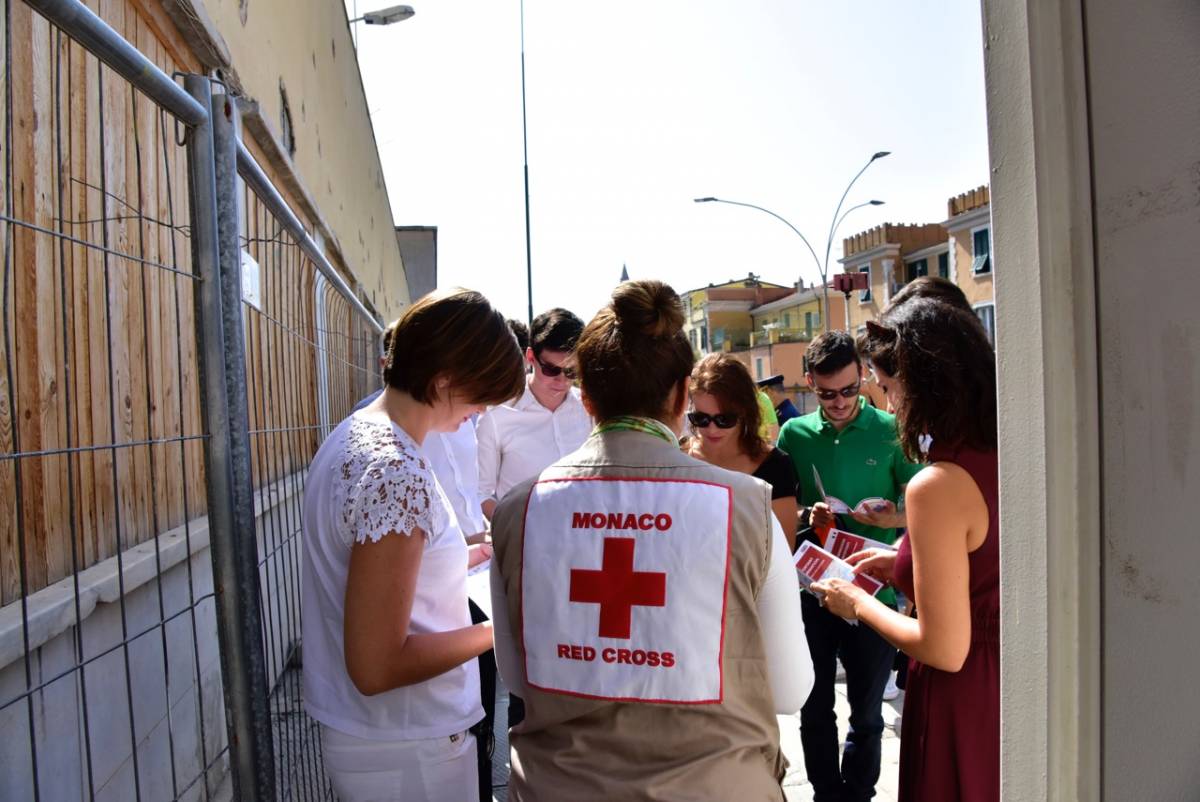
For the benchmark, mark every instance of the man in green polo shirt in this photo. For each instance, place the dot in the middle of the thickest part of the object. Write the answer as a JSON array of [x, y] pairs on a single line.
[[854, 447]]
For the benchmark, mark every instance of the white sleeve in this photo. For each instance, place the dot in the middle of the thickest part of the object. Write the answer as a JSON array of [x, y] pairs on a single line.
[[507, 661], [789, 665], [488, 456]]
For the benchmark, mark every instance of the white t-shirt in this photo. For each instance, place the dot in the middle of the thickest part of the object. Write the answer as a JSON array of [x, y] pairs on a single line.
[[519, 441], [453, 458], [369, 479]]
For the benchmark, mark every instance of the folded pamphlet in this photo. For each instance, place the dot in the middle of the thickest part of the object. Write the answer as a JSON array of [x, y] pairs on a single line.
[[842, 544], [814, 563], [867, 505]]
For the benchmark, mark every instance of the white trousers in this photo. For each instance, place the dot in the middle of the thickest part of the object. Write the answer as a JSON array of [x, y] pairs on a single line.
[[427, 770]]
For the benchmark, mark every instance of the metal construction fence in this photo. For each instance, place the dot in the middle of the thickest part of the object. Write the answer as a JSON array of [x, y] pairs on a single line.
[[175, 346]]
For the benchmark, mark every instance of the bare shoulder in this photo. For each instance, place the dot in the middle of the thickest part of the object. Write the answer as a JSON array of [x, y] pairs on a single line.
[[944, 498], [937, 482]]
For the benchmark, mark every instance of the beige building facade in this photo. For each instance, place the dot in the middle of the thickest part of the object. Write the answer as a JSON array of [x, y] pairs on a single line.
[[293, 62], [972, 262], [886, 254]]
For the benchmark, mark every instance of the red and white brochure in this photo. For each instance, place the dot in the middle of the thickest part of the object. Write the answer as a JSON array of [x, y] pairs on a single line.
[[842, 544], [815, 563]]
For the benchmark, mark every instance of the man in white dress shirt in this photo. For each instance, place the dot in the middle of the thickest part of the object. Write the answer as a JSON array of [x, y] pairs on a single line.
[[518, 441]]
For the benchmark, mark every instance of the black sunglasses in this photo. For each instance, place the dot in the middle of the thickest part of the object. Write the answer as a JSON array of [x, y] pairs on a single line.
[[554, 370], [845, 392], [724, 420]]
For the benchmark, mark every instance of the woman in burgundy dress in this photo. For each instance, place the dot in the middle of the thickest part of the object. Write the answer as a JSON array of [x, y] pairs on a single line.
[[938, 369]]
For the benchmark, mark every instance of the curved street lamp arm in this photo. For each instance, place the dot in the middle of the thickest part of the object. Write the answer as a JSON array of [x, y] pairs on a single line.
[[846, 214], [837, 211], [820, 268]]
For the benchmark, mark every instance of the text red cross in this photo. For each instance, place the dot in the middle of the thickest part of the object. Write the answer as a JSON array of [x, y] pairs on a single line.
[[616, 587]]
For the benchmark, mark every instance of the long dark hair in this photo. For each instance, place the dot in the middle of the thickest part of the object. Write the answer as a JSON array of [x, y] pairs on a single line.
[[726, 378], [941, 355]]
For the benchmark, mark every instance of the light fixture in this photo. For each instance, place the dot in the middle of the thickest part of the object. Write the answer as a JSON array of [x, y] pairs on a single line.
[[385, 16]]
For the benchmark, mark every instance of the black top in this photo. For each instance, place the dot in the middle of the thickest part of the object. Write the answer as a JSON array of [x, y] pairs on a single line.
[[778, 471]]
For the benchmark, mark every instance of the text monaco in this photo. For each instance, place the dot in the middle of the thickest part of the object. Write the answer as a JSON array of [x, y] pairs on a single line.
[[621, 520]]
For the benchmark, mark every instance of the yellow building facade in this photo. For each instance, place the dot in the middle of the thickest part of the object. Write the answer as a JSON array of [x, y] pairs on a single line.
[[717, 317]]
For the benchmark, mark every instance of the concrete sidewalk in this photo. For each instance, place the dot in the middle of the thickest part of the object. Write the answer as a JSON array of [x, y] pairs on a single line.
[[795, 785]]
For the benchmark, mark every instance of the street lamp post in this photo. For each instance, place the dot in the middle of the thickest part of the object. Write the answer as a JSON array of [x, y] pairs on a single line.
[[838, 217], [525, 152]]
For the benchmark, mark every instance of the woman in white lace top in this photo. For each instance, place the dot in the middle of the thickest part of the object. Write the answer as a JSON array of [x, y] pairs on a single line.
[[389, 647]]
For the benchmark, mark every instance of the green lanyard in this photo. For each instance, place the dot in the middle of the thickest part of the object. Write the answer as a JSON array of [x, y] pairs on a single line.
[[629, 423]]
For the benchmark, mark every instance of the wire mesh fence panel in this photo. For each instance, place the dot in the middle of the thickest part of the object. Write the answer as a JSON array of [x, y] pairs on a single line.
[[309, 359], [110, 683]]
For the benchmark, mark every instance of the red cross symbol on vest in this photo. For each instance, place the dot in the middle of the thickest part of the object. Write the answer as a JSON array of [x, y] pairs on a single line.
[[616, 587]]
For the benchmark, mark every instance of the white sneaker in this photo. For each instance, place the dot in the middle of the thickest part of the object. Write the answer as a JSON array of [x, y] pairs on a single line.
[[891, 691]]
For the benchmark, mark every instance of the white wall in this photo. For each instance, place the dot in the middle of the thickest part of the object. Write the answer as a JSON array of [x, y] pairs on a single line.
[[58, 708], [1093, 114], [1144, 81]]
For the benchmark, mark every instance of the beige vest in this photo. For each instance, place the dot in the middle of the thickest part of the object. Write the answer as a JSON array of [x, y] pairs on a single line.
[[578, 749]]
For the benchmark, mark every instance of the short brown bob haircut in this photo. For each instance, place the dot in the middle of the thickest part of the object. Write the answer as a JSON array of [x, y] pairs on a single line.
[[724, 377], [633, 352], [941, 355], [457, 334]]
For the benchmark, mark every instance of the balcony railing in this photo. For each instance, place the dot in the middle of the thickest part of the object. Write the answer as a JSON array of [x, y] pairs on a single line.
[[779, 335]]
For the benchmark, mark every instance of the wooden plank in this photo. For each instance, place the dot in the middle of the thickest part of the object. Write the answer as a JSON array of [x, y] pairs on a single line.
[[132, 272], [113, 121], [152, 350], [80, 359], [171, 372], [176, 54], [8, 490], [100, 381], [60, 501], [31, 279]]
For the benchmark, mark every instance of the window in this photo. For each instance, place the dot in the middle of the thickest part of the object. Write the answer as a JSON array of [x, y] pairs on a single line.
[[704, 338], [287, 133], [692, 337], [864, 296], [987, 316], [758, 368], [787, 320], [808, 324], [917, 269], [981, 240], [944, 265]]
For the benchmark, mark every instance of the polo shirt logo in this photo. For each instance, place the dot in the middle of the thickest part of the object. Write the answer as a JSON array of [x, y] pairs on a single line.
[[623, 588], [871, 461]]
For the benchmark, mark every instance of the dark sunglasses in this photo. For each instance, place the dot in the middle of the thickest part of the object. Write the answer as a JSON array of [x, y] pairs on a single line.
[[845, 392], [724, 420], [554, 370]]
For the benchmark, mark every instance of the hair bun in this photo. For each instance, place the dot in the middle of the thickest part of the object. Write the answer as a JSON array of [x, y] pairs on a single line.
[[650, 308]]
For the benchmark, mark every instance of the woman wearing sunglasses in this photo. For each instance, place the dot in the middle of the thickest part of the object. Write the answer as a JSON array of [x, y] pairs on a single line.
[[725, 417]]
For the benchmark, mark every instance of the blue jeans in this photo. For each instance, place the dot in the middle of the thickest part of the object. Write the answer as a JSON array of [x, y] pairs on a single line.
[[868, 660]]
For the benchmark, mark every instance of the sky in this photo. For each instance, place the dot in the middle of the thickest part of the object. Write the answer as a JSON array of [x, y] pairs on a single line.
[[636, 108]]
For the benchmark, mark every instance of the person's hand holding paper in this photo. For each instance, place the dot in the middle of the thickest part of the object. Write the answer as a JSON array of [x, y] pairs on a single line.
[[878, 512], [877, 563]]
